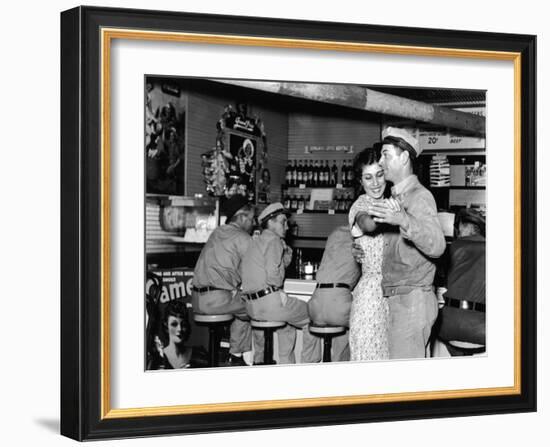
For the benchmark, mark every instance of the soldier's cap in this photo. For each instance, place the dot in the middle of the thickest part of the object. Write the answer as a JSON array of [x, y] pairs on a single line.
[[402, 139], [231, 206], [271, 211]]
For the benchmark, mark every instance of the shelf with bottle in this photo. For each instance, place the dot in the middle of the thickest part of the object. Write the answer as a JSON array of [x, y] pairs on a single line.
[[466, 187], [302, 203], [301, 189], [318, 174]]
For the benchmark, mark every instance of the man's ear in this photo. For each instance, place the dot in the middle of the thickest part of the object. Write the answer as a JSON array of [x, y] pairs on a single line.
[[405, 157]]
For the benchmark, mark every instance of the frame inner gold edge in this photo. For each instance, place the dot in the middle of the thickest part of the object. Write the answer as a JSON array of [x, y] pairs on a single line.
[[107, 34]]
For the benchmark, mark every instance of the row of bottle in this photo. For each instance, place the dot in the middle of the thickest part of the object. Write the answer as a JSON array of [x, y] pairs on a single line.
[[341, 202], [318, 174], [475, 175]]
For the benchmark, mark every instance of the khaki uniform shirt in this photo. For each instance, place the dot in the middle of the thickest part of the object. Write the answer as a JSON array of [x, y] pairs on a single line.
[[466, 278], [338, 264], [220, 259], [265, 262], [407, 255]]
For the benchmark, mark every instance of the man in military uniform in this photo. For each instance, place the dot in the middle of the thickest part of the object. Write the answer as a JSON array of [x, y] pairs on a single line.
[[463, 316], [263, 275], [413, 240], [331, 301], [217, 275]]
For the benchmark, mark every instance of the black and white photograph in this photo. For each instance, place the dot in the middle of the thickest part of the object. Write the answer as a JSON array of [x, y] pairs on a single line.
[[301, 223], [294, 223]]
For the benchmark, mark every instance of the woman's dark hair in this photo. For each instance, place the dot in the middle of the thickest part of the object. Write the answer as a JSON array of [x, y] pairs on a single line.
[[367, 157], [176, 309]]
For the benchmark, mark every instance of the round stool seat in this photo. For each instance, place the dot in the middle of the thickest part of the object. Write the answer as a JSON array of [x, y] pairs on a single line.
[[465, 344], [215, 318], [326, 329], [261, 324]]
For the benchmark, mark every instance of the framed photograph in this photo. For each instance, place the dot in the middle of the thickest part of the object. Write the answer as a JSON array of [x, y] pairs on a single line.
[[270, 223]]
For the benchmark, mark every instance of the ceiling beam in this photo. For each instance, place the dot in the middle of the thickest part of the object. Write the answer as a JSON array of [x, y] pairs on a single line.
[[366, 99]]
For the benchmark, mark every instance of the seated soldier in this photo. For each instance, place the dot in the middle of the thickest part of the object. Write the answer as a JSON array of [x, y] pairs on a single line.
[[331, 300], [263, 274], [463, 316], [217, 276]]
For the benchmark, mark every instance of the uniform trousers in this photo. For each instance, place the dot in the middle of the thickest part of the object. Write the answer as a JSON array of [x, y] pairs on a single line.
[[293, 312], [412, 316], [332, 307], [224, 302]]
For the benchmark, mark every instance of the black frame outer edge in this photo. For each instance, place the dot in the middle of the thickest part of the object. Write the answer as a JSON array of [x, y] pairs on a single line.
[[71, 384], [80, 344]]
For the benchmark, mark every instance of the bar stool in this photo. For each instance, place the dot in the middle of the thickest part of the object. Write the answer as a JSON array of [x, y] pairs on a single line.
[[467, 348], [213, 322], [269, 327], [326, 332]]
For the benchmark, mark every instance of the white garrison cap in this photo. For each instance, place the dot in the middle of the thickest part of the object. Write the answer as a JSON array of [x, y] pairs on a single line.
[[401, 134], [271, 211]]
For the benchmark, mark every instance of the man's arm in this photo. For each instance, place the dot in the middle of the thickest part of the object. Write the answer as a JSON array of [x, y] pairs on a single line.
[[274, 267], [242, 243], [287, 254], [424, 229], [418, 223]]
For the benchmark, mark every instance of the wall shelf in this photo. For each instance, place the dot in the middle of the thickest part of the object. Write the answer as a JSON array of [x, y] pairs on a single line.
[[466, 187], [297, 189]]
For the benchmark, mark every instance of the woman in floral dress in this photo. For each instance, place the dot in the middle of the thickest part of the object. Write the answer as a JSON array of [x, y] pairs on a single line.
[[369, 317]]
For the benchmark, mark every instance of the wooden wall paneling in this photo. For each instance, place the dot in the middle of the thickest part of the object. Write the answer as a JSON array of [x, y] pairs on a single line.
[[324, 130], [206, 109], [318, 224]]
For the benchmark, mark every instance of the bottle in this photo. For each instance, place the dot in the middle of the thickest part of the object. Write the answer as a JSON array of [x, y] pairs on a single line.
[[300, 174], [351, 174], [309, 173], [327, 174], [476, 174], [337, 204], [301, 203], [344, 203], [306, 202], [315, 181], [293, 203], [286, 202], [288, 174], [333, 174], [299, 261], [344, 174], [294, 173]]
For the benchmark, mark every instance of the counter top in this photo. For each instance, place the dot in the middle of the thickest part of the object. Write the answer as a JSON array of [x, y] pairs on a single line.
[[300, 288]]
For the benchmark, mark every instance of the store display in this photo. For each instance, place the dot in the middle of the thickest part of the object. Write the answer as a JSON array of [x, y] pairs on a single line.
[[318, 174], [440, 172]]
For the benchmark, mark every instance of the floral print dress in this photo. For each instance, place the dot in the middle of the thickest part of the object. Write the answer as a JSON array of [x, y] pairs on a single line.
[[369, 317]]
